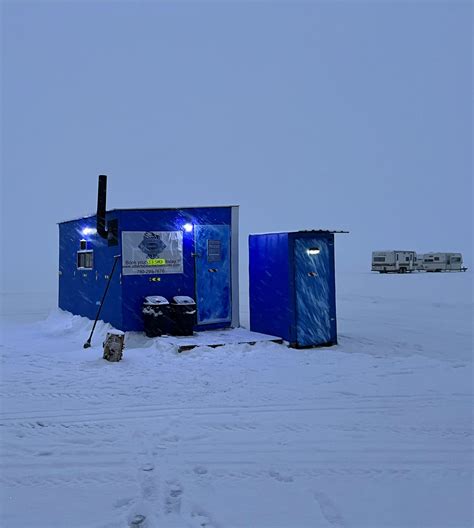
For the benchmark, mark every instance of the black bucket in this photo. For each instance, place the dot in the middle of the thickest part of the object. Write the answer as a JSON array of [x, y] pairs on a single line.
[[157, 316], [183, 310]]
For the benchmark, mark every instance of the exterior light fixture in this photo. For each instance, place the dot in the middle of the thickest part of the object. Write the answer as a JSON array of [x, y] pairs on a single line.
[[314, 251], [89, 231], [188, 228]]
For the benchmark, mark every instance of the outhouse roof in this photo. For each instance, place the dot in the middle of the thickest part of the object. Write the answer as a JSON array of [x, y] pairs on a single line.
[[300, 231]]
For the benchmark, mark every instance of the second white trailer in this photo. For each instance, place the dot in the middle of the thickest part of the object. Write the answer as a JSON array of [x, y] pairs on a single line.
[[440, 262]]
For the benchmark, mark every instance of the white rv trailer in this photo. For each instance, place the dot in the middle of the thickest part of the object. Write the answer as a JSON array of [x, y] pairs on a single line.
[[408, 261], [393, 261], [441, 262]]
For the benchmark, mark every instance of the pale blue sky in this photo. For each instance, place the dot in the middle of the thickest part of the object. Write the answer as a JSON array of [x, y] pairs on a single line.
[[353, 115]]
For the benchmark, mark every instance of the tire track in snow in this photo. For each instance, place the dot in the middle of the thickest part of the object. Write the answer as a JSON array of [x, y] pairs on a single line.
[[84, 428], [350, 398], [134, 413], [48, 480]]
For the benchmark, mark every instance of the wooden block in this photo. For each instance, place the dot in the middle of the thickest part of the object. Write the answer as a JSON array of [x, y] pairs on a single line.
[[113, 346]]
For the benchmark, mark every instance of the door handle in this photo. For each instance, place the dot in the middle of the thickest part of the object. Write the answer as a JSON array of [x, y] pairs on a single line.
[[212, 270], [312, 274]]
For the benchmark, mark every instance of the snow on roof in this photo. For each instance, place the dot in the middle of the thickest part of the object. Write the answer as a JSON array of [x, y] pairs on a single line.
[[299, 231], [90, 215], [394, 251]]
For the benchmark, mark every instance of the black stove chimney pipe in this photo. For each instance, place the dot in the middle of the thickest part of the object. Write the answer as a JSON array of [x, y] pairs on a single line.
[[101, 205]]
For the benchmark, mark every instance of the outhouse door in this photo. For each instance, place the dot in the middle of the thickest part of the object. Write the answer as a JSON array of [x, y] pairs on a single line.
[[213, 278], [315, 313]]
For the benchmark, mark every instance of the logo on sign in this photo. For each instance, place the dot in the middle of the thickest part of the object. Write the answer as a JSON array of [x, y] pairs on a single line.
[[152, 245]]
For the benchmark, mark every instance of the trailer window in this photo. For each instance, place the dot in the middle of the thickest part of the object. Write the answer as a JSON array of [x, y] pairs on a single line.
[[85, 259], [379, 259], [436, 258], [456, 259]]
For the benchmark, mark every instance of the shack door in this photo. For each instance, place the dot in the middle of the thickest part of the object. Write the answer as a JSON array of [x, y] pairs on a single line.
[[213, 286], [314, 280]]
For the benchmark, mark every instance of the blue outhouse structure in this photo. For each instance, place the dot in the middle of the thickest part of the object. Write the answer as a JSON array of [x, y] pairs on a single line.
[[292, 287], [190, 251]]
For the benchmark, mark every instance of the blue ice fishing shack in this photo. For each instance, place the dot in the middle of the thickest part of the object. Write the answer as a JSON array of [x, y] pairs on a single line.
[[293, 288], [190, 251]]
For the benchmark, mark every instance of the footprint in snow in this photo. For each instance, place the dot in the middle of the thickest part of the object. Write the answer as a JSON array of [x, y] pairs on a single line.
[[280, 477], [200, 470], [122, 503], [202, 519], [329, 510], [174, 491], [138, 521]]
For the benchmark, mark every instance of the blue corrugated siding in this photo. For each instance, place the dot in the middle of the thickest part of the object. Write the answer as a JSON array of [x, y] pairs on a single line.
[[313, 285], [291, 295], [136, 287], [80, 291], [271, 306]]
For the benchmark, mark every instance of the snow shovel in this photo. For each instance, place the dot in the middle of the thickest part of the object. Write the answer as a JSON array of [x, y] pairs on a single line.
[[87, 344]]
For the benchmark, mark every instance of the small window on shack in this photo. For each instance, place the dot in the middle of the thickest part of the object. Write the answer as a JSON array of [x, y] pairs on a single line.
[[214, 251], [85, 259]]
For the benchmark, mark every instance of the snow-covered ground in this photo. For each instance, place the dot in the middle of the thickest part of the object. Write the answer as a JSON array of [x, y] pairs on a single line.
[[375, 432]]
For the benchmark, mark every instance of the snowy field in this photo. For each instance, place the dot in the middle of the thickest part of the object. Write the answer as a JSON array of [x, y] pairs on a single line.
[[376, 432]]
